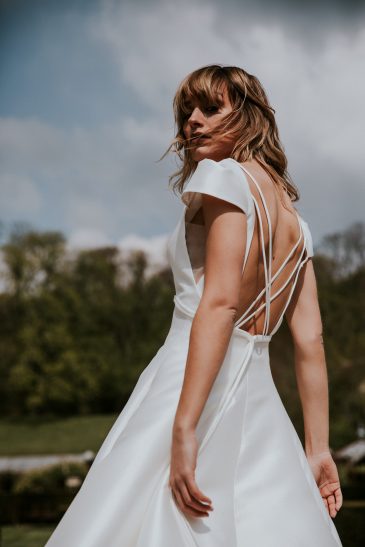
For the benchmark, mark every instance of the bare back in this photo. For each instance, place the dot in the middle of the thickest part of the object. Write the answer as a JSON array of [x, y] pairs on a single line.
[[288, 245], [271, 271]]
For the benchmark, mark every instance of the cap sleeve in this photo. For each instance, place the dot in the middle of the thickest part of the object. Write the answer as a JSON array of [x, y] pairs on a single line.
[[308, 237], [224, 180]]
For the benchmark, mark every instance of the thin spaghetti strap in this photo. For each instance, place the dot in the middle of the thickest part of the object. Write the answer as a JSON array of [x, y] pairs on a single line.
[[301, 264], [268, 267], [272, 279], [297, 265]]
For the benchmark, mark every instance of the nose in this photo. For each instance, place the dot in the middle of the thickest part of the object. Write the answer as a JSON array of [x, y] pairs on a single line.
[[196, 117]]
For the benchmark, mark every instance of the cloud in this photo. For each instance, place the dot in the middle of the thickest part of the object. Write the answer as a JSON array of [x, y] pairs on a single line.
[[87, 239], [155, 49], [103, 179], [154, 247], [317, 91], [22, 196], [102, 183]]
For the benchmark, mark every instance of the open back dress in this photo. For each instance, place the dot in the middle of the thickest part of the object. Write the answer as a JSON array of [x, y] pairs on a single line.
[[251, 462]]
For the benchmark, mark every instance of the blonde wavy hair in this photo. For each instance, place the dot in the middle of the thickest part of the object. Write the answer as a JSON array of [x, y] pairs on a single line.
[[252, 119]]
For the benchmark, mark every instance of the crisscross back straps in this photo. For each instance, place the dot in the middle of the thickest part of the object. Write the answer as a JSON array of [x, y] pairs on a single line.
[[268, 267]]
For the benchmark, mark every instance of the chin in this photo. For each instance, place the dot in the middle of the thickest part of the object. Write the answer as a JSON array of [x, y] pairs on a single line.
[[202, 153]]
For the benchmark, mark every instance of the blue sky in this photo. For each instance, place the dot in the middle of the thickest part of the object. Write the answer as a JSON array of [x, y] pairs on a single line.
[[54, 68], [86, 107]]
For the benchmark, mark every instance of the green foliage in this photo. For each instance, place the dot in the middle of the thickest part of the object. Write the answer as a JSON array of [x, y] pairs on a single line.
[[77, 331], [49, 479]]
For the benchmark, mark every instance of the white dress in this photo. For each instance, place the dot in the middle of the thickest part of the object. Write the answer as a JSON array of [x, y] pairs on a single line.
[[251, 462]]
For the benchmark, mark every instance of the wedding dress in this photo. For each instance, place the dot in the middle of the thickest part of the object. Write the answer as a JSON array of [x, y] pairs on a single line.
[[251, 462]]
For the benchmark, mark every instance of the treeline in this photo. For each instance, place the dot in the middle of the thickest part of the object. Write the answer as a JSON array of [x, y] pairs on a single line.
[[78, 329]]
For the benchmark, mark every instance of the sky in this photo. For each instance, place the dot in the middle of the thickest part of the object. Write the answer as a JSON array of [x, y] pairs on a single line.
[[86, 91]]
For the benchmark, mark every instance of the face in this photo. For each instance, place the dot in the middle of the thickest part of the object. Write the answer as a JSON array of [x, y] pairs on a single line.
[[203, 119]]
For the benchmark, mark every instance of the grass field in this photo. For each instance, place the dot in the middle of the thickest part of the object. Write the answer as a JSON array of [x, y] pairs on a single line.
[[349, 523], [25, 437], [25, 536], [40, 436]]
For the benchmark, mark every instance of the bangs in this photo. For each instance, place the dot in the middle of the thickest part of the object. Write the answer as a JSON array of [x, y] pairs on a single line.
[[249, 125], [203, 88]]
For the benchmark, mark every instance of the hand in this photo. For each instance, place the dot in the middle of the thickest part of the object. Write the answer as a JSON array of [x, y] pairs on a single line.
[[326, 475], [188, 497]]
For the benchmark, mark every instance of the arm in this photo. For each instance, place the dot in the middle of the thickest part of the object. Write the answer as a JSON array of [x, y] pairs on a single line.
[[305, 323], [213, 323], [210, 334]]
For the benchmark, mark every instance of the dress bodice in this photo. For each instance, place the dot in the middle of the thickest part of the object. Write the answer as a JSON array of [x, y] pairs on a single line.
[[227, 180]]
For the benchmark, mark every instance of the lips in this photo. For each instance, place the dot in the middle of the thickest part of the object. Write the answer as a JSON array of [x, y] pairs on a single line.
[[202, 138]]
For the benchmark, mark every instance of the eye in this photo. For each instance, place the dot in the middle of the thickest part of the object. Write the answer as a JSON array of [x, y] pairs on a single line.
[[212, 108]]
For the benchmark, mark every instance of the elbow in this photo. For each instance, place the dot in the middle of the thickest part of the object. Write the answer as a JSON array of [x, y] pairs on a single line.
[[221, 305], [310, 342]]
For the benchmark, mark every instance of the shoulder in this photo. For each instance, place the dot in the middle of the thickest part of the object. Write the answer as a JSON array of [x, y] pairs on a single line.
[[222, 179]]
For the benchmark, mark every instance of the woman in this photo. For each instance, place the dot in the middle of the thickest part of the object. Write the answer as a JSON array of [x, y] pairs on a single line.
[[204, 453]]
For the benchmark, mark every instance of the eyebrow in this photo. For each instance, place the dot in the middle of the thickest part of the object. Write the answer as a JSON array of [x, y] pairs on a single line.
[[189, 103]]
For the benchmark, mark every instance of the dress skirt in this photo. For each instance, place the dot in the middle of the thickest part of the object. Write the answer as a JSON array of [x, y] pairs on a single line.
[[251, 463]]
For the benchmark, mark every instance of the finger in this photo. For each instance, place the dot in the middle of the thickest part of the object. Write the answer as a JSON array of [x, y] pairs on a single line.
[[196, 492], [331, 505], [339, 499], [192, 502], [186, 509], [179, 501]]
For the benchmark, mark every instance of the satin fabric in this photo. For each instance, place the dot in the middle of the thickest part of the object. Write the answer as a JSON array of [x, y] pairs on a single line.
[[250, 463]]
